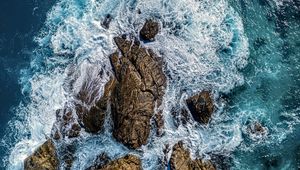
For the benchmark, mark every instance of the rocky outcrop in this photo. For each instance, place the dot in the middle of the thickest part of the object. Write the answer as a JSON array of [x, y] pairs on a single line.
[[149, 30], [201, 107], [128, 162], [44, 158], [181, 160], [92, 119], [139, 87]]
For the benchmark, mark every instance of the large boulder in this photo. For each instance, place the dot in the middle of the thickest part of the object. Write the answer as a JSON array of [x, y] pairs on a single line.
[[201, 107], [181, 160], [128, 162], [139, 87], [44, 158], [149, 30]]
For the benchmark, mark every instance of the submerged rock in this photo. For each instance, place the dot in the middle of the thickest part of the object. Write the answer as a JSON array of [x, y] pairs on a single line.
[[44, 158], [128, 162], [140, 86], [100, 162], [149, 30], [201, 107], [181, 160], [106, 21]]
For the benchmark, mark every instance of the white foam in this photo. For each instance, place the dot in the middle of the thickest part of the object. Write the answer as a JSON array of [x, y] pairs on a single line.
[[192, 35]]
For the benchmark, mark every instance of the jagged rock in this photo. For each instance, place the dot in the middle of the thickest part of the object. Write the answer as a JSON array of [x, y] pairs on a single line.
[[106, 21], [66, 155], [93, 118], [129, 162], [140, 85], [149, 30], [181, 160], [44, 158], [66, 124], [100, 162], [257, 130], [201, 107]]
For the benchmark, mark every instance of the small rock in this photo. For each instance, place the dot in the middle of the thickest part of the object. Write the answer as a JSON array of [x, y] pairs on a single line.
[[201, 107], [106, 22], [149, 30], [45, 157]]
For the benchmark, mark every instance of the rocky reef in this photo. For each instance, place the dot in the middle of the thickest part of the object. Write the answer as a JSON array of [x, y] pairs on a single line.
[[140, 85], [132, 97], [181, 160]]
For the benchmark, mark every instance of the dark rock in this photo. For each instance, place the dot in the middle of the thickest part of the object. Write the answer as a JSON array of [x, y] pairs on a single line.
[[181, 160], [106, 21], [66, 124], [257, 130], [128, 162], [93, 118], [159, 122], [201, 107], [140, 85], [100, 162], [66, 153], [44, 157], [149, 30]]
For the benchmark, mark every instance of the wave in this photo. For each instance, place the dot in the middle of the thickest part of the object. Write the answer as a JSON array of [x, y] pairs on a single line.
[[202, 43]]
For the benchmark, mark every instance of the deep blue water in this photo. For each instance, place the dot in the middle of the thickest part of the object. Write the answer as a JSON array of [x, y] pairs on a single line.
[[269, 92], [20, 21]]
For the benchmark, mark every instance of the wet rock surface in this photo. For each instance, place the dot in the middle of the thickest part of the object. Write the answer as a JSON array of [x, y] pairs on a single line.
[[181, 160], [201, 107], [100, 162], [128, 162], [92, 119], [45, 157], [149, 30], [140, 86]]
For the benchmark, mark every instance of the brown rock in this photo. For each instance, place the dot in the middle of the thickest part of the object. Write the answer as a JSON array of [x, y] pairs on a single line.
[[44, 158], [129, 162], [66, 124], [149, 30], [140, 85], [201, 107], [93, 118], [181, 160]]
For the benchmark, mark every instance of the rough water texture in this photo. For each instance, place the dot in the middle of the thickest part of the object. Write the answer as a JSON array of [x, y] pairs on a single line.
[[205, 45]]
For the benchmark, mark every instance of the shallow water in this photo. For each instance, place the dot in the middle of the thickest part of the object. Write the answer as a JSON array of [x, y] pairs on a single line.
[[245, 52]]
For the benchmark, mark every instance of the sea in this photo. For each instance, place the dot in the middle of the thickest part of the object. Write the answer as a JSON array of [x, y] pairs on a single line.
[[246, 52]]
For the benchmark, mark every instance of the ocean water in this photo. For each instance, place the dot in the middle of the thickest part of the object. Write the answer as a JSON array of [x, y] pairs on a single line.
[[245, 52]]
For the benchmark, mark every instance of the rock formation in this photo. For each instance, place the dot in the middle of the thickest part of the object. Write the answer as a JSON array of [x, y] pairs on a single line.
[[181, 160], [140, 86], [44, 158], [92, 119], [201, 107], [128, 162], [149, 30]]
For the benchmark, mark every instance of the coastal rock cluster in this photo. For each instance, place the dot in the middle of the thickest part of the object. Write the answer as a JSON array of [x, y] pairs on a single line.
[[132, 96]]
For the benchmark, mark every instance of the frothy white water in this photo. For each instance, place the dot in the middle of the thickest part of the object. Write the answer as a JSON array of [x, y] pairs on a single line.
[[202, 43]]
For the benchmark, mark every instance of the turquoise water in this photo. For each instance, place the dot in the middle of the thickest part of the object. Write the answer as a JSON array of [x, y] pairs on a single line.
[[271, 91], [246, 52]]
